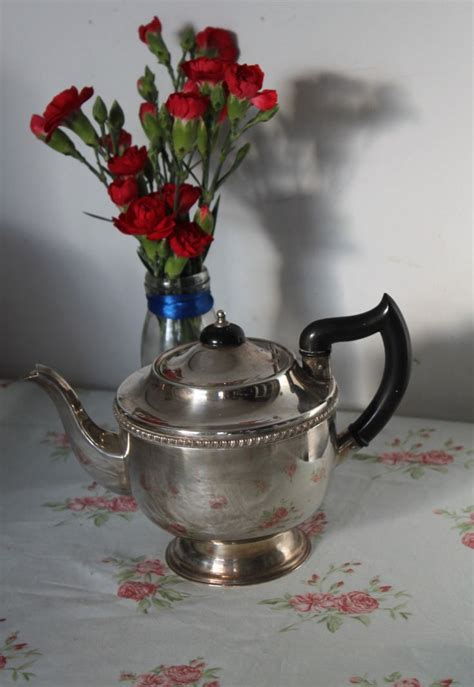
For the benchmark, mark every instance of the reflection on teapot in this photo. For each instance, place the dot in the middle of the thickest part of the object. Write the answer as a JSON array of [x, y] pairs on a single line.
[[228, 443]]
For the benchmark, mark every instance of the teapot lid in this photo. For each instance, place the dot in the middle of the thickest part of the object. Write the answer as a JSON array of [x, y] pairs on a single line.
[[224, 387]]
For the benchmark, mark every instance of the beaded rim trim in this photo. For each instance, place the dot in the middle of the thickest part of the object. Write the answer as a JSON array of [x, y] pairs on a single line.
[[201, 442]]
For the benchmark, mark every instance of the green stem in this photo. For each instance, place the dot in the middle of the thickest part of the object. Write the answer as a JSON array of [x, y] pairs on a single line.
[[82, 159]]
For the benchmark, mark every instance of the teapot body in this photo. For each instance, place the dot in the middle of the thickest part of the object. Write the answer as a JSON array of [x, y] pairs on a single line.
[[232, 493]]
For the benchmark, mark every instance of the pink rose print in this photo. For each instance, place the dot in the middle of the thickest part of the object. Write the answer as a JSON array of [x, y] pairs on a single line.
[[326, 607], [136, 590], [278, 514], [314, 525], [357, 602], [147, 582], [219, 502], [59, 442], [284, 514], [410, 460], [464, 522], [153, 566], [151, 680], [468, 539], [17, 658], [290, 469], [176, 528], [304, 603], [397, 680], [195, 673], [436, 458], [98, 508], [183, 675], [397, 457]]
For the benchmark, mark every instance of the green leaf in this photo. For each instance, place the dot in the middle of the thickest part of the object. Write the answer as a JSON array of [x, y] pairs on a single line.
[[393, 677], [159, 603], [239, 158], [416, 472], [364, 619], [100, 519], [333, 622], [171, 594], [271, 602], [174, 266]]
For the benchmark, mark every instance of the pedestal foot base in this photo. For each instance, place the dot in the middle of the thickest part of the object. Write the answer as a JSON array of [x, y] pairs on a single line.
[[238, 562]]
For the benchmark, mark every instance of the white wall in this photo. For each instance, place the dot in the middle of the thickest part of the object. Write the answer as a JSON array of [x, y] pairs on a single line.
[[362, 186]]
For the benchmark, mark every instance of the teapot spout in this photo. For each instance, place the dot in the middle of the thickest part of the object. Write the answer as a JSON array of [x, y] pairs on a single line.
[[101, 453]]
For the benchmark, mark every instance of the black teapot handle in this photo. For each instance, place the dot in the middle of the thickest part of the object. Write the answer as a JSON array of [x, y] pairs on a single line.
[[386, 318]]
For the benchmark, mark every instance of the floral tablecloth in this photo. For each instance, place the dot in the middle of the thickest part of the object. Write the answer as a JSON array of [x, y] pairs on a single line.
[[384, 600]]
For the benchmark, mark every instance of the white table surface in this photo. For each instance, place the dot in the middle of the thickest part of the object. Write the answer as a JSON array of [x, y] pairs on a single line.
[[86, 598]]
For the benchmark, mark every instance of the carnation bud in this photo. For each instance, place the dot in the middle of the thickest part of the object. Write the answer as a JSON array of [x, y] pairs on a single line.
[[174, 266], [202, 138], [157, 46], [187, 39], [152, 128], [217, 97], [82, 126], [265, 115], [99, 111], [184, 136], [205, 219], [61, 142], [116, 116], [164, 117], [236, 109], [146, 86]]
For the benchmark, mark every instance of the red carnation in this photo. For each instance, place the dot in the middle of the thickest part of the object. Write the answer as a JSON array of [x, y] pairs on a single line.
[[186, 105], [187, 196], [265, 100], [37, 127], [131, 162], [123, 191], [3, 662], [219, 43], [147, 108], [124, 142], [244, 80], [189, 240], [204, 70], [154, 26], [61, 107], [146, 217]]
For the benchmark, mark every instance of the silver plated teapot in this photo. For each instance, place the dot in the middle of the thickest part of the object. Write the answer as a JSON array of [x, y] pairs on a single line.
[[228, 443]]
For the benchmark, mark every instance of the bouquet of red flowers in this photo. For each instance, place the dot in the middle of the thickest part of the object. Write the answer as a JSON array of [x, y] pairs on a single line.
[[193, 144]]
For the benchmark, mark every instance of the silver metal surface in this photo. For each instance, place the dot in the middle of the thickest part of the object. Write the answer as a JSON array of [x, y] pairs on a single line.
[[231, 456], [101, 453], [238, 563]]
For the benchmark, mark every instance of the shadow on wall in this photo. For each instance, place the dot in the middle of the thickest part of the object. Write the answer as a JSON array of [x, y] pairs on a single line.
[[440, 380], [299, 169]]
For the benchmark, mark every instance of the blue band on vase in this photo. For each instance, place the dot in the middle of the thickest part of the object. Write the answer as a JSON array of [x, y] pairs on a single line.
[[178, 306]]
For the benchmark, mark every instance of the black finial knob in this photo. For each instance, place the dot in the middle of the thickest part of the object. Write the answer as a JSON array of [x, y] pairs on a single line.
[[222, 333]]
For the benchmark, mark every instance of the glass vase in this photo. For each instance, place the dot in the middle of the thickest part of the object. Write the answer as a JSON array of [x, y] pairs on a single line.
[[178, 310]]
